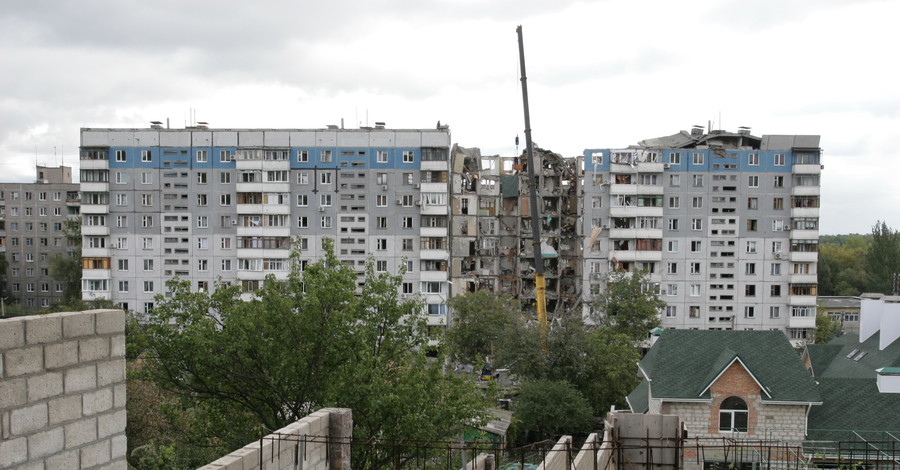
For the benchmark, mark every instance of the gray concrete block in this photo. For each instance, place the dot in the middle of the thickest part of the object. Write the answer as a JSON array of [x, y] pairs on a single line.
[[110, 321], [93, 349], [120, 464], [39, 465], [118, 446], [95, 454], [117, 346], [60, 354], [110, 372], [97, 401], [28, 419], [45, 443], [81, 378], [111, 423], [45, 386], [23, 361], [12, 333], [12, 393], [64, 461], [80, 432], [13, 452], [119, 396], [77, 324], [64, 409], [40, 329]]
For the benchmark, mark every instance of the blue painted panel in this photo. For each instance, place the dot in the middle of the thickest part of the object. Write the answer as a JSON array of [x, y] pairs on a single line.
[[131, 154], [216, 157], [591, 165], [210, 157], [398, 158], [311, 155], [373, 158]]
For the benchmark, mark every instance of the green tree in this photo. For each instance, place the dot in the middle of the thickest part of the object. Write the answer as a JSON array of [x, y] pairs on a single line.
[[842, 264], [481, 321], [546, 409], [827, 328], [882, 258], [67, 268], [4, 264], [627, 306], [244, 367]]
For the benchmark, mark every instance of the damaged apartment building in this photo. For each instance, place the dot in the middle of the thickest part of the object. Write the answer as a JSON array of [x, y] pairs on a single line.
[[491, 238]]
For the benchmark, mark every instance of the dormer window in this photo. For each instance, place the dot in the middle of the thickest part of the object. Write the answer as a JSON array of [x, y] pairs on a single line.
[[733, 415]]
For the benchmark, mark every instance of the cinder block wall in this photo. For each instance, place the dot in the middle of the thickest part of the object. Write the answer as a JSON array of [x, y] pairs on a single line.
[[301, 444], [62, 391]]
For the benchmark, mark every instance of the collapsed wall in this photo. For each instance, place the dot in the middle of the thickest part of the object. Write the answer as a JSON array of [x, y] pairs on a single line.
[[62, 390]]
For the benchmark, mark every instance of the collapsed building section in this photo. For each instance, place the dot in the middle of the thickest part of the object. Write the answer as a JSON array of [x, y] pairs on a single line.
[[491, 226]]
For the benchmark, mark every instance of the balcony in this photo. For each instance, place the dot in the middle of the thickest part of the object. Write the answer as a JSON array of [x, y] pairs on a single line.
[[805, 234], [433, 232], [635, 255], [807, 169], [640, 189], [94, 230], [630, 233], [434, 210], [264, 231], [802, 322], [89, 164], [95, 252], [432, 275], [804, 256], [262, 209], [94, 187], [806, 190], [252, 253], [436, 320], [804, 300], [433, 187], [95, 209], [805, 212], [434, 165], [635, 211], [434, 254], [803, 278]]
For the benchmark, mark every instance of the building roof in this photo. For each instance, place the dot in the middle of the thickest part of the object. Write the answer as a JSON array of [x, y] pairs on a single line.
[[838, 358], [684, 363], [638, 399], [838, 301]]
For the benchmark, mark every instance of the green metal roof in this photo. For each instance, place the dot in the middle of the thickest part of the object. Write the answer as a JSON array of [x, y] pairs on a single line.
[[836, 359], [638, 398], [853, 404], [683, 363]]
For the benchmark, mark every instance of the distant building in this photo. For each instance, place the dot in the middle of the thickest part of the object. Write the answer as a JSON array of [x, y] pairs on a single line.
[[32, 217], [727, 225], [844, 309], [206, 204]]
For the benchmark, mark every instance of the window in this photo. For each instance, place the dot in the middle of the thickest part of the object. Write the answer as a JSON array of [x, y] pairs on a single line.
[[202, 221], [326, 221], [778, 182], [779, 159], [302, 222], [750, 290], [695, 268], [778, 203], [147, 243], [202, 200], [775, 290], [698, 158], [695, 290], [146, 200], [226, 265], [381, 266], [753, 159], [671, 289], [674, 202], [774, 311], [303, 178], [303, 200], [121, 221], [752, 203], [751, 247], [122, 264], [733, 415], [675, 180], [225, 178], [673, 224], [698, 181], [671, 311], [381, 244], [201, 177], [749, 311], [753, 181], [750, 269], [671, 268], [325, 200], [696, 224], [673, 246], [381, 156], [146, 156], [696, 246], [122, 199], [202, 156], [381, 222], [203, 243], [325, 177], [325, 156], [675, 158], [202, 265], [146, 177], [123, 286], [406, 222], [120, 156], [776, 269], [697, 202], [146, 221], [302, 156], [225, 243], [408, 156], [148, 286], [225, 199], [752, 225], [148, 265]]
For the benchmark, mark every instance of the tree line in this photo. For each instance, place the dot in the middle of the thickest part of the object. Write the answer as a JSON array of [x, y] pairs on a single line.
[[858, 263]]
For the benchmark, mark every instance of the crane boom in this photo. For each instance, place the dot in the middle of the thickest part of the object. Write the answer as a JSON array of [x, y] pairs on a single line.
[[539, 281]]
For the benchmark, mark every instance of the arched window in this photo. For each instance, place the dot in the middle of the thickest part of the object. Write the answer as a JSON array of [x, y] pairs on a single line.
[[733, 415]]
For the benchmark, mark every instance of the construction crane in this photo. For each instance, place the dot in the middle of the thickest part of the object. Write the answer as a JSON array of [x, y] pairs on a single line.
[[540, 283]]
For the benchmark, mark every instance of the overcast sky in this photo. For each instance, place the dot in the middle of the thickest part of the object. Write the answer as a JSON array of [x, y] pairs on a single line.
[[600, 74]]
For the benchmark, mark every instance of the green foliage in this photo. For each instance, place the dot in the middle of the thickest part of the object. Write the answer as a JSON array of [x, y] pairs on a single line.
[[67, 268], [842, 267], [627, 305], [827, 328], [882, 258], [547, 408], [4, 264], [480, 322], [242, 368]]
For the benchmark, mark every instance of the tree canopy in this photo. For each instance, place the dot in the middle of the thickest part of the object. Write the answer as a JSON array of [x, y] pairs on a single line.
[[628, 305], [301, 344]]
